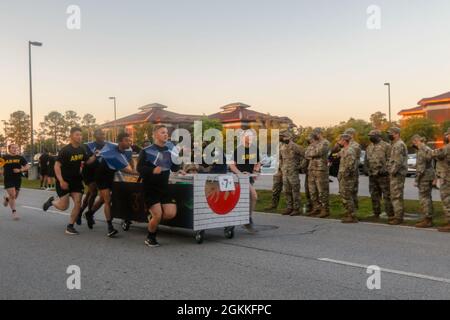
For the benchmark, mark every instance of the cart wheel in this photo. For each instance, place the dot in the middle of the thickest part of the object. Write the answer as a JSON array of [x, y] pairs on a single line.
[[126, 225], [200, 236], [229, 232]]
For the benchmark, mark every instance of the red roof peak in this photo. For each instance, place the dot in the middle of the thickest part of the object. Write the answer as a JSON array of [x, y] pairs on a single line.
[[437, 99], [235, 105], [153, 106], [416, 110]]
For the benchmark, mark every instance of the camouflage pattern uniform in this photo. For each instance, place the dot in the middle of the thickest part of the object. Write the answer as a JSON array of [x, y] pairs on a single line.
[[398, 168], [347, 177], [355, 146], [442, 157], [277, 188], [304, 167], [318, 177], [291, 155], [375, 165], [425, 176]]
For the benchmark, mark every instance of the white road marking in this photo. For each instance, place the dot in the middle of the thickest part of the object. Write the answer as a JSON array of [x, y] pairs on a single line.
[[50, 211], [399, 272]]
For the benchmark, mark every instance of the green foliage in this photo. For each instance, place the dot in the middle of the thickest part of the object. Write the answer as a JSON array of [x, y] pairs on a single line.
[[17, 129], [379, 121], [444, 126], [425, 127], [211, 124], [142, 133]]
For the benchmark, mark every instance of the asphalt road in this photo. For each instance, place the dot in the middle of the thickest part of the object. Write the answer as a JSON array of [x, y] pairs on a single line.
[[289, 258], [265, 182]]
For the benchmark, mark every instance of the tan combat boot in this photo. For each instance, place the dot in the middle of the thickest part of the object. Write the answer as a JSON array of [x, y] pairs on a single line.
[[313, 213], [349, 218], [425, 223], [323, 214], [445, 228], [287, 212], [295, 213], [395, 221]]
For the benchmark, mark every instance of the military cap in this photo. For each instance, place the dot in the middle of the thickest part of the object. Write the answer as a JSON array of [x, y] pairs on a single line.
[[394, 130], [345, 137], [374, 133], [317, 131], [416, 137], [350, 131]]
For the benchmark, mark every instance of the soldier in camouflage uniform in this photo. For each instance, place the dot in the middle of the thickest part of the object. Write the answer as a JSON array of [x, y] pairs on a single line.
[[277, 188], [442, 157], [355, 145], [318, 177], [425, 176], [398, 168], [291, 155], [304, 168], [375, 165], [347, 177]]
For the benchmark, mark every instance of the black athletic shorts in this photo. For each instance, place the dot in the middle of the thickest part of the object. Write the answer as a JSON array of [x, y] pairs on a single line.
[[88, 174], [44, 171], [75, 186], [51, 173], [15, 183], [153, 197], [104, 180]]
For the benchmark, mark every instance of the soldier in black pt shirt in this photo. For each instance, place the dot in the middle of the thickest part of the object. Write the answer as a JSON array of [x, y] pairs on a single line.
[[43, 168], [88, 173], [51, 172], [247, 161], [14, 166], [154, 165], [119, 159], [69, 183]]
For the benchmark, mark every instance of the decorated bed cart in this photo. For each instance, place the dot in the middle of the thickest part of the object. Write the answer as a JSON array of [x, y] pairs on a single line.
[[204, 202]]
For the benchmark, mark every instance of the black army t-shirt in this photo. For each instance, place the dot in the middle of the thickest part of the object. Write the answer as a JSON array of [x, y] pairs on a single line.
[[246, 161], [71, 160], [11, 163]]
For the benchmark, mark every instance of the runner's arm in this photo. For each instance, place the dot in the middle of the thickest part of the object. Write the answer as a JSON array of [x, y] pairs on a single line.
[[58, 173]]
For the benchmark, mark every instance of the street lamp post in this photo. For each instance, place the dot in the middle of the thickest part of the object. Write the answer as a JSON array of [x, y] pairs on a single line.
[[30, 44], [115, 117], [389, 97]]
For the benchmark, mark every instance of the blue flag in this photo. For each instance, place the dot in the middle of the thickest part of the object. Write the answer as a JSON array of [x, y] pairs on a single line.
[[161, 158], [94, 146], [115, 159]]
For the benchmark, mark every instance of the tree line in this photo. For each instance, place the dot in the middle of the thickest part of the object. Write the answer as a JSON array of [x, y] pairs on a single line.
[[51, 134]]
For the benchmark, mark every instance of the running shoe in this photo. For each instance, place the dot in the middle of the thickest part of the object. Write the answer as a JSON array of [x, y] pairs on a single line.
[[151, 242], [250, 229], [15, 216], [112, 232], [48, 204], [70, 230]]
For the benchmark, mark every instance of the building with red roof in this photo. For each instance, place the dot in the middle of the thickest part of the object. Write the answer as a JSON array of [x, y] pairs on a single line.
[[232, 116], [435, 108]]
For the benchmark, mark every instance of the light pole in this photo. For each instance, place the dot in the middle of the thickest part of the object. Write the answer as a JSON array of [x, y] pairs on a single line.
[[389, 97], [30, 44], [115, 117]]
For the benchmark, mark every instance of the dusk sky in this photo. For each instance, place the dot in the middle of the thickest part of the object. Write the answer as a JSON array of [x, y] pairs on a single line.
[[313, 61]]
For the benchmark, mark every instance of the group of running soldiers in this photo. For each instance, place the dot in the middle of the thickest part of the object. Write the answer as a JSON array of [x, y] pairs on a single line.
[[78, 165]]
